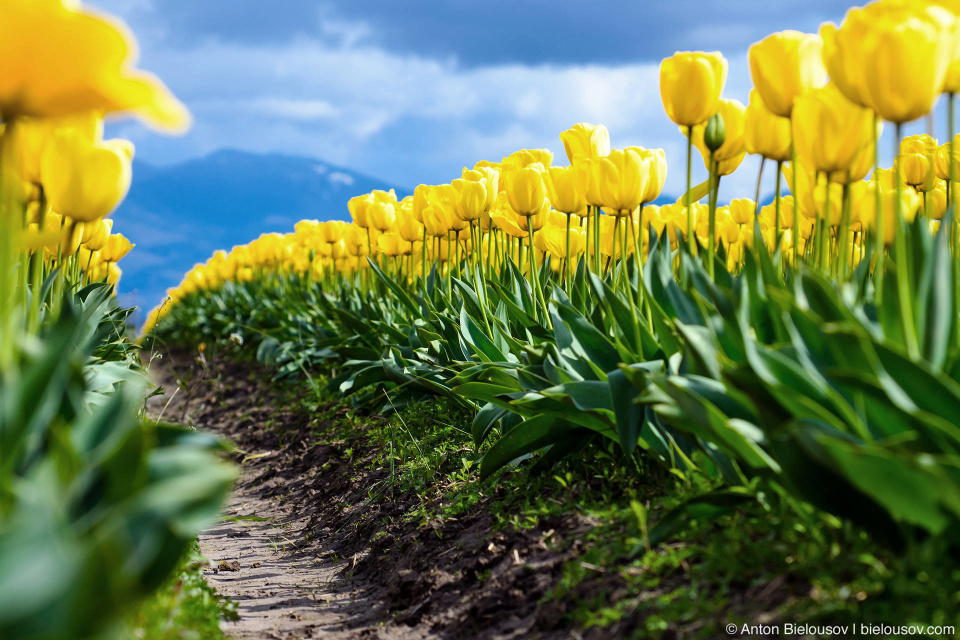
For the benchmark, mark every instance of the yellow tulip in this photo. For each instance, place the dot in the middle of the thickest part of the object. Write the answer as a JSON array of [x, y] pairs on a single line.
[[829, 130], [392, 245], [381, 216], [526, 157], [95, 234], [768, 213], [731, 153], [115, 248], [409, 229], [764, 133], [935, 202], [443, 198], [916, 161], [626, 179], [82, 180], [906, 54], [566, 188], [27, 139], [844, 57], [691, 84], [359, 207], [865, 205], [525, 190], [585, 140], [471, 199], [785, 65], [58, 59], [507, 222], [490, 177], [941, 160], [742, 211]]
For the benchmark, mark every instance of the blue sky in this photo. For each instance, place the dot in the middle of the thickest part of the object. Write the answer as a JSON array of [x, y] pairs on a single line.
[[412, 91]]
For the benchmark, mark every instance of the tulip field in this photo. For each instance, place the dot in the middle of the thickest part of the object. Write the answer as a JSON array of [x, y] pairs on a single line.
[[797, 353]]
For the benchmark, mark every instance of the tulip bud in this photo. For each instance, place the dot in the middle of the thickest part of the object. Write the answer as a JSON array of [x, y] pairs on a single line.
[[716, 133]]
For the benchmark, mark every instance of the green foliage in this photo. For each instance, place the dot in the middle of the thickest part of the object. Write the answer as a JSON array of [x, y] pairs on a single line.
[[97, 506], [817, 389]]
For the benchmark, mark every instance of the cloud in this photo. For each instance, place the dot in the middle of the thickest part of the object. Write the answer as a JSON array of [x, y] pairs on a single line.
[[332, 80]]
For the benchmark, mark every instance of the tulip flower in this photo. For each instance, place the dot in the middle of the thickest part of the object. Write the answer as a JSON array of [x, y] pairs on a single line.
[[731, 153], [585, 141], [526, 157], [915, 162], [941, 160], [58, 59], [82, 180], [906, 54], [784, 66], [471, 199], [935, 201], [359, 208], [690, 86], [742, 211], [630, 177], [115, 248], [525, 190], [829, 130], [764, 133], [867, 209], [566, 188], [409, 228], [844, 57]]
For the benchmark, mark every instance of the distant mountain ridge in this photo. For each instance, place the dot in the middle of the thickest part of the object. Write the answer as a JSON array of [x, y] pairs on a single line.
[[179, 215]]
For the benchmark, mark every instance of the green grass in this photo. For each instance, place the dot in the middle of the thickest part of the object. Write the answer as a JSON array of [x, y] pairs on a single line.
[[185, 608], [774, 557]]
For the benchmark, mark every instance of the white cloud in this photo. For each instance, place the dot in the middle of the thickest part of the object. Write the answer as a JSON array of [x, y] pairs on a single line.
[[338, 178], [409, 119]]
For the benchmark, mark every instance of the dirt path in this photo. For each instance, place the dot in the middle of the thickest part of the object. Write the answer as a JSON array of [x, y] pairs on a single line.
[[286, 587], [313, 547]]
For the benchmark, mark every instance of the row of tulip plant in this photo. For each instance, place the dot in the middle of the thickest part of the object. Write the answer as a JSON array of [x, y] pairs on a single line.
[[809, 347], [98, 505]]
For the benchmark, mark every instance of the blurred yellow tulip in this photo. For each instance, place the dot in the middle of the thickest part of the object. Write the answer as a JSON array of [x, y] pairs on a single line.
[[82, 180], [691, 84], [731, 153], [115, 248], [784, 66], [916, 161], [742, 211], [907, 51], [866, 207], [941, 160], [57, 59], [764, 133], [829, 130]]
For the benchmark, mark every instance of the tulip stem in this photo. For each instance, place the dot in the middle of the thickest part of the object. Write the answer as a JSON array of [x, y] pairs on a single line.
[[844, 231], [903, 269], [712, 232], [878, 246], [777, 207], [952, 172], [796, 201], [568, 276], [824, 228], [756, 202], [687, 196]]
